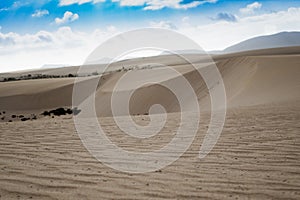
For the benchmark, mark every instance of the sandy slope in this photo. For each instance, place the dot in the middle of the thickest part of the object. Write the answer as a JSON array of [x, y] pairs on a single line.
[[35, 94], [249, 80], [257, 155]]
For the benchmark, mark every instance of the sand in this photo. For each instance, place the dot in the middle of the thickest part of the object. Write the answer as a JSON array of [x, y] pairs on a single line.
[[250, 78], [256, 157]]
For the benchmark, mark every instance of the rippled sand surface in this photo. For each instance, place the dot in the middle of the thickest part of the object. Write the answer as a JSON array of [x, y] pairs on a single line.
[[257, 156]]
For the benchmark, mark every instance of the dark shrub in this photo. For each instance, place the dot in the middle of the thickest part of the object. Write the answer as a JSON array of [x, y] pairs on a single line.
[[13, 116], [69, 111], [21, 116], [61, 111], [46, 113], [58, 112], [25, 119], [11, 79], [71, 75]]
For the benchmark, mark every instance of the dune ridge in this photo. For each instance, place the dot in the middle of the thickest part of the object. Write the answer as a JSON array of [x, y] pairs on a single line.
[[249, 80]]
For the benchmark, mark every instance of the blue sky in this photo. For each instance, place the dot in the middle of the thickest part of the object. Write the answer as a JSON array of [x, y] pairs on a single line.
[[57, 29], [16, 16]]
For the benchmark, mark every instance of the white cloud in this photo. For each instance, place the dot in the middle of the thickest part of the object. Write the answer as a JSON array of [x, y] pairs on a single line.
[[163, 24], [10, 42], [68, 17], [64, 45], [250, 8], [160, 4], [79, 2], [40, 13], [7, 39]]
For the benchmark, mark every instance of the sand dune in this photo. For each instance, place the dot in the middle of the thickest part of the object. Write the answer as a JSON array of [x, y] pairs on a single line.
[[35, 94], [249, 80], [257, 155]]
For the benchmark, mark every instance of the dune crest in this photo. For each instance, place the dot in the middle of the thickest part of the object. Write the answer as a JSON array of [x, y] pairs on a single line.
[[249, 80]]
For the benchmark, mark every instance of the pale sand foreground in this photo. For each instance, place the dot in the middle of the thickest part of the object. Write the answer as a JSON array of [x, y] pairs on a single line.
[[257, 156]]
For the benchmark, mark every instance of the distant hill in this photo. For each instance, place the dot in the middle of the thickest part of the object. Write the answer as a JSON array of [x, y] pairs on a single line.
[[283, 39]]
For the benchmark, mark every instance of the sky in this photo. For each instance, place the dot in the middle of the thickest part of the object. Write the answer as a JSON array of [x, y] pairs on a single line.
[[40, 33]]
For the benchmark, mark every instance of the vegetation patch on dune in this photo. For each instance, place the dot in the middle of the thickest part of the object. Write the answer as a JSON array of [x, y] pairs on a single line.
[[29, 117]]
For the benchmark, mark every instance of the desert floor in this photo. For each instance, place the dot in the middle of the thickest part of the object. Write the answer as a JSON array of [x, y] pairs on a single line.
[[257, 156]]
